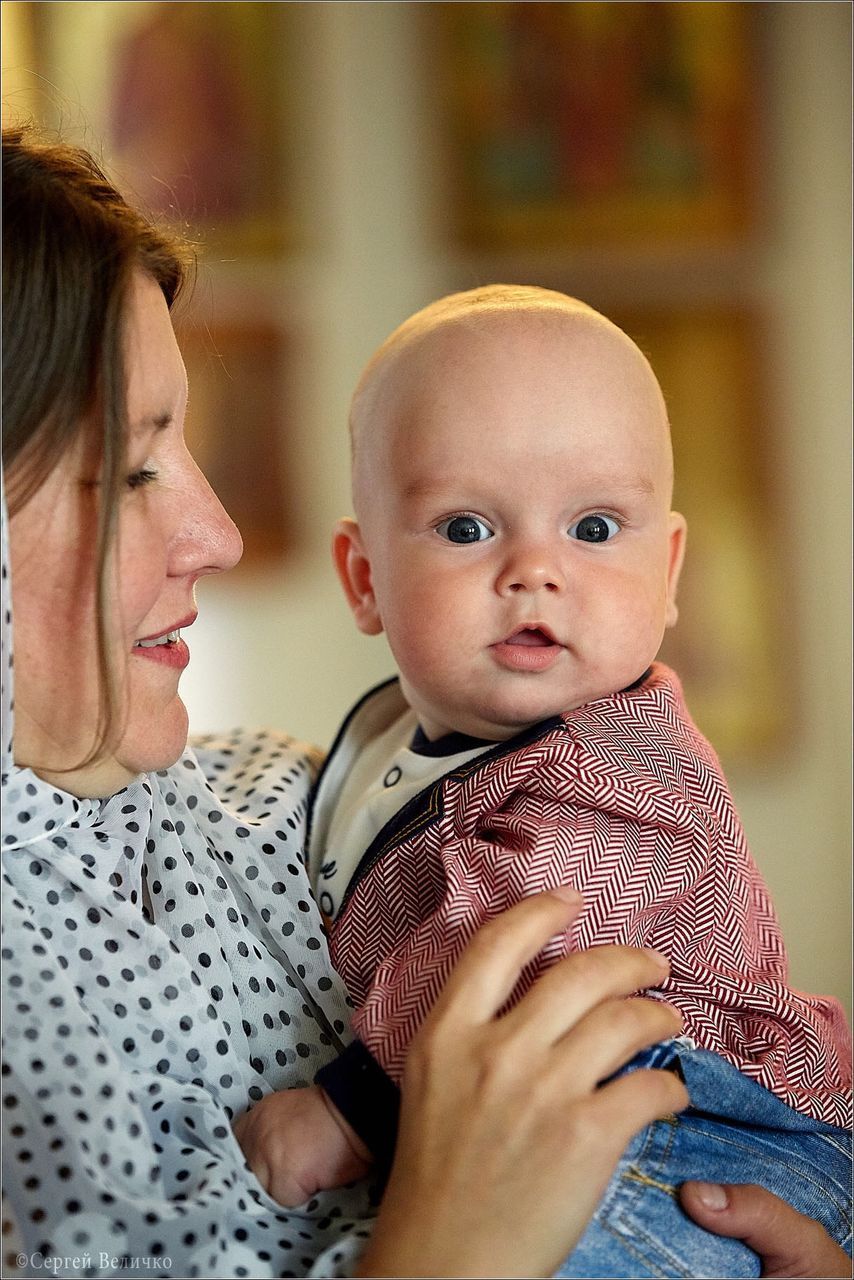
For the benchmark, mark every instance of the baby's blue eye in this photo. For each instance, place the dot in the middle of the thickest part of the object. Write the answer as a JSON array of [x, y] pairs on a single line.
[[596, 528], [463, 529]]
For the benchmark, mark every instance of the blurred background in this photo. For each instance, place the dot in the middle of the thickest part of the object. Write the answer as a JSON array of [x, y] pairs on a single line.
[[686, 168]]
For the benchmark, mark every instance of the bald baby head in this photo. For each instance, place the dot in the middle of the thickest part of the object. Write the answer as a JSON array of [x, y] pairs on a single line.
[[511, 468], [420, 358]]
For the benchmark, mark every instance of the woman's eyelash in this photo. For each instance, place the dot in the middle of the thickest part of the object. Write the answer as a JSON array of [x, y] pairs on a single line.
[[141, 477]]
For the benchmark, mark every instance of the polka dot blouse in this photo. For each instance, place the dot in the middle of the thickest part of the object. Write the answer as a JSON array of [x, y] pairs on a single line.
[[163, 968]]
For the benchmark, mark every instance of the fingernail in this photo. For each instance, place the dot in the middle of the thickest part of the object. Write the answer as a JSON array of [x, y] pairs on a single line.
[[712, 1195], [677, 1013], [659, 956], [566, 893]]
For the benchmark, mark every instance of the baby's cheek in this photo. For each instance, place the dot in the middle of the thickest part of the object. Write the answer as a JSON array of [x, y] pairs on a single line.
[[426, 663], [636, 632]]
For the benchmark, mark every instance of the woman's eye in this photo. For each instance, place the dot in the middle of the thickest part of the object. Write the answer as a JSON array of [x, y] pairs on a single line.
[[462, 529], [139, 478], [596, 528]]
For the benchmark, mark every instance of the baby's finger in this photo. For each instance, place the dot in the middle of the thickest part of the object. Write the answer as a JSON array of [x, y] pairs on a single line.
[[577, 984], [238, 1128], [489, 968]]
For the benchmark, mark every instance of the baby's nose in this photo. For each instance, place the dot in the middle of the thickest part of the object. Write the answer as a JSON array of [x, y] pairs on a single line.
[[530, 571]]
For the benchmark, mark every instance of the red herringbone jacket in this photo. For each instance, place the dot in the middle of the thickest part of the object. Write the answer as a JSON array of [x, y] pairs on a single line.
[[624, 800]]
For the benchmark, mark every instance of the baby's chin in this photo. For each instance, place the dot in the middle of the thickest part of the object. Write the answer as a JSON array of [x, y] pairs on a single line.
[[497, 723], [504, 718]]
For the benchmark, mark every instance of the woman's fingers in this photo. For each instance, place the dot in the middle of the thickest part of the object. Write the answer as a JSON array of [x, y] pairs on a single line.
[[578, 983], [611, 1034], [593, 1131], [788, 1243], [505, 1142], [489, 968], [625, 1105]]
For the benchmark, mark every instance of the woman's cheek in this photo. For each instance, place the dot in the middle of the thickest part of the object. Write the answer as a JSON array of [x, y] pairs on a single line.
[[142, 572]]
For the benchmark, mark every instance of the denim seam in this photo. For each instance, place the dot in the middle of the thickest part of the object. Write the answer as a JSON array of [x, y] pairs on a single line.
[[671, 1128], [834, 1142], [635, 1175], [652, 1264], [797, 1170], [631, 1179]]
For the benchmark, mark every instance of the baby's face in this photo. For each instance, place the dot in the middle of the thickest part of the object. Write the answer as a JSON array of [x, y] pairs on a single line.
[[515, 540]]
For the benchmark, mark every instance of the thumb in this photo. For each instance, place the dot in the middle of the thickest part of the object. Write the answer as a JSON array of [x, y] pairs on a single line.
[[788, 1243]]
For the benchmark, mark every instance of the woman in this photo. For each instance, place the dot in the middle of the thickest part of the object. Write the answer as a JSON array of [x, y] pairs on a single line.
[[164, 961]]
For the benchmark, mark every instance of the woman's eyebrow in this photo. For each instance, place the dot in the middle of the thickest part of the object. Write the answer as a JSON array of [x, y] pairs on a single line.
[[159, 421]]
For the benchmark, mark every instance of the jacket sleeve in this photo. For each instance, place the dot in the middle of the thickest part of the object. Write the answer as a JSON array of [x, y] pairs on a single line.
[[547, 827], [657, 866]]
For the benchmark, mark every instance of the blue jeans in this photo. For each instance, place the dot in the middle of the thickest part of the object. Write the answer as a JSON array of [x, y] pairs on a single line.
[[734, 1131]]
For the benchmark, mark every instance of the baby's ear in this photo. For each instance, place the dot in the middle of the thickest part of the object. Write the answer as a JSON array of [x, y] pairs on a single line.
[[354, 570], [676, 537]]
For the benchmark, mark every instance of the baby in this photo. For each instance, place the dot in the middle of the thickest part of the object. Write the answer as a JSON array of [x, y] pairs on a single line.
[[512, 480]]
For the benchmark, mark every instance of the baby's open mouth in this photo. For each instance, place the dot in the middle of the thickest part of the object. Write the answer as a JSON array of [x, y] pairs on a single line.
[[529, 650], [531, 636]]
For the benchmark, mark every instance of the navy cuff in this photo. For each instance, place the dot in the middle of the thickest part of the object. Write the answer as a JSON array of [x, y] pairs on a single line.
[[367, 1098]]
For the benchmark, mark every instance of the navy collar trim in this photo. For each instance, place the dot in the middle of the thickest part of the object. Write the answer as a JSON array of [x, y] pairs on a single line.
[[451, 744], [426, 807]]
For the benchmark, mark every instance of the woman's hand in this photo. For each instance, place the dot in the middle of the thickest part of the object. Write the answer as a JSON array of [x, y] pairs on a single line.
[[505, 1143], [788, 1243]]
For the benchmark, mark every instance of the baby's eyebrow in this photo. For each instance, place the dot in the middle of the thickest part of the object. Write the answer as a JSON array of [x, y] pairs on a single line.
[[588, 490], [642, 485], [427, 488], [597, 487]]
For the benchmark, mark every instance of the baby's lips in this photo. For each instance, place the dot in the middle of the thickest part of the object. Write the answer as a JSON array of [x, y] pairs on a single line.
[[532, 633]]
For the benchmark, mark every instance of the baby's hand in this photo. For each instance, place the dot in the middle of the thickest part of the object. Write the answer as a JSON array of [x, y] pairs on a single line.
[[296, 1142]]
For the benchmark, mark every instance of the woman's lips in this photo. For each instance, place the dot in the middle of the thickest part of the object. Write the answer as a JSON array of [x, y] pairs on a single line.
[[528, 649], [166, 647], [172, 654]]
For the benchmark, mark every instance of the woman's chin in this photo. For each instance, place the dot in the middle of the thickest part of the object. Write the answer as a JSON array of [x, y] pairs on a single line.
[[153, 742], [94, 781], [149, 743]]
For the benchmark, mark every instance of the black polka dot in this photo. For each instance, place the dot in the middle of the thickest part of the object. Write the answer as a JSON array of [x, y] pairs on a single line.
[[148, 991]]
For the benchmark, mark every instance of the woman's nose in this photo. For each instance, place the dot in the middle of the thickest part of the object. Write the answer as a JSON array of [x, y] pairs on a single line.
[[530, 569], [208, 540]]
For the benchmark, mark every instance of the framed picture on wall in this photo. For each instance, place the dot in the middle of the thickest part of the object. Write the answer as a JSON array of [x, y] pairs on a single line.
[[236, 428], [597, 123], [728, 646], [186, 102]]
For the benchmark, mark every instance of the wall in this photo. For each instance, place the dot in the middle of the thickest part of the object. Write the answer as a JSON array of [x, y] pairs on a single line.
[[279, 648], [381, 257]]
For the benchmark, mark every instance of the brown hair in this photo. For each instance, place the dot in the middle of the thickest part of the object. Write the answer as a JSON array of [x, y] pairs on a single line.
[[71, 244]]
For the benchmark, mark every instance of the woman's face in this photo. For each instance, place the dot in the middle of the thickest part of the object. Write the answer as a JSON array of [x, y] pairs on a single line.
[[171, 531]]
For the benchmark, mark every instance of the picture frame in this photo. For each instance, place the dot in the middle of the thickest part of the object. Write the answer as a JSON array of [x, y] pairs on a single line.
[[188, 104], [236, 427], [597, 124], [727, 646]]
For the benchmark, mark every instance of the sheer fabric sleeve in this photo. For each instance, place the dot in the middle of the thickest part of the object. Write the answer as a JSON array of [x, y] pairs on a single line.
[[133, 1173]]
